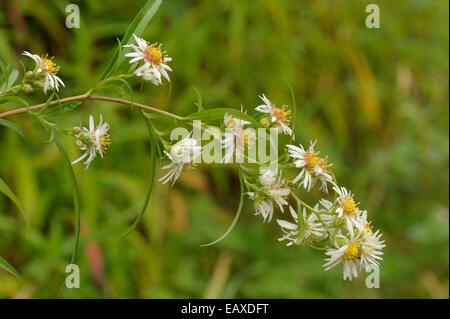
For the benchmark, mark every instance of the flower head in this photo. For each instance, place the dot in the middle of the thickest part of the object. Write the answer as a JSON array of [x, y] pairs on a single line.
[[182, 155], [46, 68], [313, 228], [153, 58], [93, 140], [236, 137], [348, 208], [279, 117], [312, 166], [355, 253], [272, 190]]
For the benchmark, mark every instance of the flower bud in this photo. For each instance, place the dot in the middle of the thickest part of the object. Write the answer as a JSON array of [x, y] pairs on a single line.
[[75, 130], [265, 122], [27, 88]]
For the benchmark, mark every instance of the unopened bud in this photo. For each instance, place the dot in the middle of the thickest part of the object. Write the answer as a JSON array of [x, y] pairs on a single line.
[[75, 130], [79, 143], [265, 122], [27, 88]]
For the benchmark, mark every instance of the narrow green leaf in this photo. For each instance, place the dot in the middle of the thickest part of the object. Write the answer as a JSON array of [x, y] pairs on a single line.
[[13, 98], [9, 193], [4, 77], [199, 102], [294, 108], [219, 113], [7, 266], [238, 213], [14, 127], [12, 78], [153, 143], [62, 108], [75, 191], [137, 26], [301, 223]]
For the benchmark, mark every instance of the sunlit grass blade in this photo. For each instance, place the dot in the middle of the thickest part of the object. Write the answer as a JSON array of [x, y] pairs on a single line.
[[4, 188], [14, 127], [238, 213], [76, 195], [137, 26], [199, 102], [294, 107], [153, 152], [7, 266]]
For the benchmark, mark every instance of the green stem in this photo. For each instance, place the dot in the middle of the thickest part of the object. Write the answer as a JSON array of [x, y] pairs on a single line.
[[85, 97]]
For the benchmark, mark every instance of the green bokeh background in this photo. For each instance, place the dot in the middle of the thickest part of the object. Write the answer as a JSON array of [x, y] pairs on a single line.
[[376, 100]]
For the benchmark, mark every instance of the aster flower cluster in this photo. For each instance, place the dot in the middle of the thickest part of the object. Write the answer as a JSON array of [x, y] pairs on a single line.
[[335, 225]]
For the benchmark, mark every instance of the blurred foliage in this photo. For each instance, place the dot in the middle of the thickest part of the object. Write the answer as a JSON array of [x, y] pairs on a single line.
[[376, 99]]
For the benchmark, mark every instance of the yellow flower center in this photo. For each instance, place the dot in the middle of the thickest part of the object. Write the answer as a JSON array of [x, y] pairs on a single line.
[[282, 114], [104, 142], [153, 54], [49, 66], [368, 227], [348, 205], [230, 123], [311, 159], [324, 165], [352, 250]]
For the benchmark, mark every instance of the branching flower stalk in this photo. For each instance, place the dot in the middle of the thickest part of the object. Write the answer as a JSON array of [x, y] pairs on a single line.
[[335, 224]]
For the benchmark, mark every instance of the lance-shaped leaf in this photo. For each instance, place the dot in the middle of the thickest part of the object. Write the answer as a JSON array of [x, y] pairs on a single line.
[[136, 27], [14, 127], [7, 266], [9, 193], [238, 213], [219, 113], [153, 152]]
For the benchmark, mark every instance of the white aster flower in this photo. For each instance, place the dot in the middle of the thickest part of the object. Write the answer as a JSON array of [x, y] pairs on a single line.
[[348, 208], [154, 59], [46, 67], [93, 140], [312, 166], [313, 228], [181, 155], [356, 253], [280, 117], [348, 254], [270, 194], [236, 137], [371, 246], [268, 175]]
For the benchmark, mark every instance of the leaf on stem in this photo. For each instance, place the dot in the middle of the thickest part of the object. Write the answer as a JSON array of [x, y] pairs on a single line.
[[62, 108], [136, 27], [73, 181], [76, 196], [238, 213], [14, 127], [7, 266], [219, 113], [153, 152], [4, 188]]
